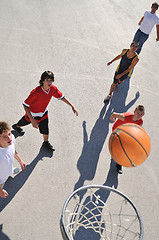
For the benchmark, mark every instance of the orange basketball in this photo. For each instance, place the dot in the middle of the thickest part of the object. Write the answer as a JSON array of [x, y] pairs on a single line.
[[129, 145]]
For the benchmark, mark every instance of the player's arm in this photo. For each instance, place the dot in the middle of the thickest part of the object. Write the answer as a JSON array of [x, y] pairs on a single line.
[[33, 121], [21, 162], [117, 115], [157, 29], [64, 99], [141, 20], [133, 64], [116, 58]]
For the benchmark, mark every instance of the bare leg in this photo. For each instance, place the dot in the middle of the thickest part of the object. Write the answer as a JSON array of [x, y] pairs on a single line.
[[112, 88], [46, 137], [110, 93]]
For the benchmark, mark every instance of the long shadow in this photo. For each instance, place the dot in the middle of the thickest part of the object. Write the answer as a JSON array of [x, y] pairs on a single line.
[[3, 236], [87, 162], [117, 103], [13, 185]]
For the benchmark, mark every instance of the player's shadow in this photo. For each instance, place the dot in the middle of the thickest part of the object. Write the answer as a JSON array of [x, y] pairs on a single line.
[[3, 236], [92, 147], [117, 103], [13, 185]]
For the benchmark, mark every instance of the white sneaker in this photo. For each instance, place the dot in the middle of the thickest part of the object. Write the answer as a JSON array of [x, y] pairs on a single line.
[[107, 98], [16, 170]]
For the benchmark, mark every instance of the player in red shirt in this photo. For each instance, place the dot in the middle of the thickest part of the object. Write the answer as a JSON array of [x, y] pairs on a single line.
[[123, 118], [36, 110]]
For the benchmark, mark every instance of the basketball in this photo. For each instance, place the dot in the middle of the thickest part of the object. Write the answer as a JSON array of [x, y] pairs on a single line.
[[129, 145]]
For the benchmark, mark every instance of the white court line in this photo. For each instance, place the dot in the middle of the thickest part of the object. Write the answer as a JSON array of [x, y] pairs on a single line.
[[57, 36], [12, 44]]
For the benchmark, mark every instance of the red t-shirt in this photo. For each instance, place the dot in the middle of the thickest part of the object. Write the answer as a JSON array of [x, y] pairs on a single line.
[[39, 99], [128, 119]]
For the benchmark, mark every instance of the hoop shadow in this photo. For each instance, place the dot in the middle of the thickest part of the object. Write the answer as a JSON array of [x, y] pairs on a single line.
[[13, 185], [3, 236], [92, 147]]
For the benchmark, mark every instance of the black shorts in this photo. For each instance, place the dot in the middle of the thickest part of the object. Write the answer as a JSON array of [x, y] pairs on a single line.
[[43, 124], [116, 81]]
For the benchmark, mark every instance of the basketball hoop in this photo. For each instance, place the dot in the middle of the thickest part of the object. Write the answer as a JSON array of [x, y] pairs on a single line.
[[100, 212]]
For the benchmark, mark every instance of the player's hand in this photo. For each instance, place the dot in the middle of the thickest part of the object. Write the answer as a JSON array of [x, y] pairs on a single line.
[[118, 76], [3, 193], [157, 39], [112, 119], [74, 110], [109, 63], [35, 123], [23, 165]]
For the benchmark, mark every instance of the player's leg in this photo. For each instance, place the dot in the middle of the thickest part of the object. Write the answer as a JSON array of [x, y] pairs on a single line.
[[44, 129], [112, 88], [22, 122], [140, 37], [137, 36]]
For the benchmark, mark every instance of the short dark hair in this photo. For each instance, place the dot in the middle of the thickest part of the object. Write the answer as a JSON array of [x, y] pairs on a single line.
[[4, 127], [44, 75], [155, 5], [135, 42]]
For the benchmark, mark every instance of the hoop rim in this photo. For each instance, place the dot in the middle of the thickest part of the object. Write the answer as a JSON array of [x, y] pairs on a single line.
[[62, 222]]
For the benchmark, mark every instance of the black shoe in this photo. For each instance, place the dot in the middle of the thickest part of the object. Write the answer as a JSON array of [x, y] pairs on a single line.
[[48, 146], [107, 99], [119, 168], [18, 129]]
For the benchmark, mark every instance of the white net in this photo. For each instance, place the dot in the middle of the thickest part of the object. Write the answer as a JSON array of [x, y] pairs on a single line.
[[100, 213]]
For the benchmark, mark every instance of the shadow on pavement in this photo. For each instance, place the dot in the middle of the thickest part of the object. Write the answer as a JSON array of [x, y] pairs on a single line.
[[3, 236], [92, 147], [13, 185]]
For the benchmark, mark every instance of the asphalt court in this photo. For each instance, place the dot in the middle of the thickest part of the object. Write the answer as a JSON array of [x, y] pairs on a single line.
[[75, 40]]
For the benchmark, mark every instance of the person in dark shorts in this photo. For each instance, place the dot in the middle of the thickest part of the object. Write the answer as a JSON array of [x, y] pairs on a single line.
[[36, 110], [129, 59]]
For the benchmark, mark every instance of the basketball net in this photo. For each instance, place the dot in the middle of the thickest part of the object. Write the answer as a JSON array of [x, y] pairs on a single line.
[[100, 212]]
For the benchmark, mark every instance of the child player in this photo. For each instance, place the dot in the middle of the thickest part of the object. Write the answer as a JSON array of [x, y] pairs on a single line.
[[128, 60], [36, 110], [7, 155], [135, 117]]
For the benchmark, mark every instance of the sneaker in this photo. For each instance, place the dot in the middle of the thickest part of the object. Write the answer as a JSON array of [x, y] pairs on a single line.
[[107, 98], [48, 146], [18, 129], [119, 168], [16, 170]]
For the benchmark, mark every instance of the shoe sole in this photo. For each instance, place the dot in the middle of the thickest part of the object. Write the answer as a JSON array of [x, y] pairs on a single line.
[[22, 132], [16, 170]]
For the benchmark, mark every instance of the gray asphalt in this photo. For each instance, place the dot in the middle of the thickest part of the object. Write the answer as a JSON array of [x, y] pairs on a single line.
[[75, 40]]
